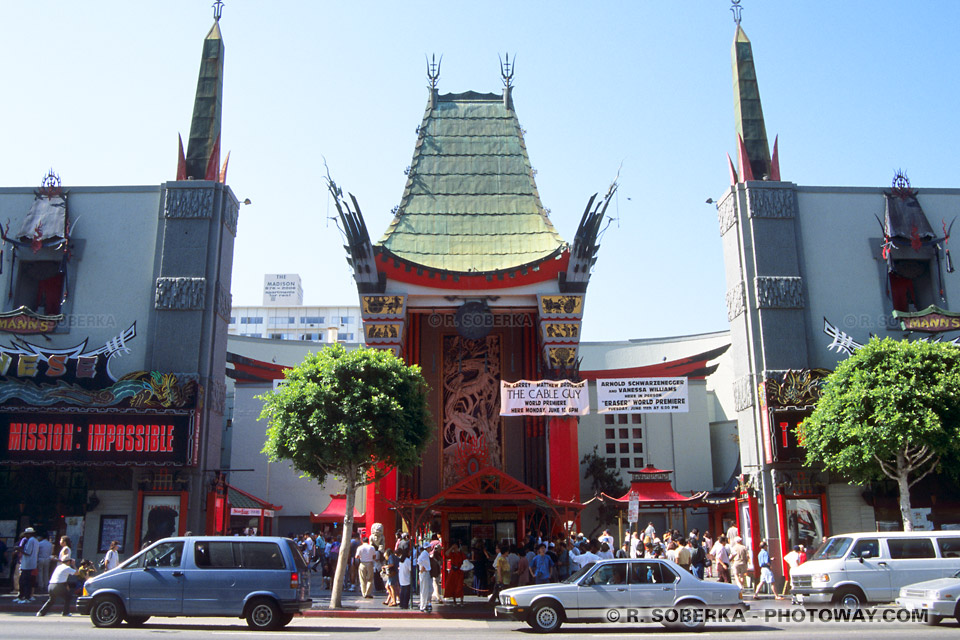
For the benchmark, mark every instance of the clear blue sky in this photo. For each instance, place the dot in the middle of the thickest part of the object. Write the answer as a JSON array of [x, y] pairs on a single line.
[[855, 89]]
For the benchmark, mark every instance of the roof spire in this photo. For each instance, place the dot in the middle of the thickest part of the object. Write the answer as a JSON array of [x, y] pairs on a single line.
[[506, 73], [202, 161], [736, 9], [753, 151], [433, 77]]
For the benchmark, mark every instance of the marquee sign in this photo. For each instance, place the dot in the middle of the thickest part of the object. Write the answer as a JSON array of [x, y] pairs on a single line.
[[544, 398], [933, 319], [642, 395], [98, 438], [23, 321]]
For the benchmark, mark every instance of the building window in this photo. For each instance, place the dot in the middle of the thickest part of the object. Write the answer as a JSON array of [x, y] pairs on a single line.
[[39, 286], [635, 418], [346, 319], [638, 463], [233, 320], [611, 448], [624, 463], [638, 433], [249, 320], [622, 418], [311, 320], [624, 447], [638, 447], [612, 463], [345, 337], [610, 434], [623, 433], [608, 419]]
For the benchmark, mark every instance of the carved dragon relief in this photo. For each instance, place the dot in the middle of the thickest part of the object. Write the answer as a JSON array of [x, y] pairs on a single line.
[[471, 433]]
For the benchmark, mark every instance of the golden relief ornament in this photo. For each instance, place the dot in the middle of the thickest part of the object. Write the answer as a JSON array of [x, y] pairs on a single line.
[[561, 357], [563, 305], [383, 331], [382, 305], [795, 388], [561, 330]]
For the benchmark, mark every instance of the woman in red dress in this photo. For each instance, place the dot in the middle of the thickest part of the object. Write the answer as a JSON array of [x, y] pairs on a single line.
[[454, 586]]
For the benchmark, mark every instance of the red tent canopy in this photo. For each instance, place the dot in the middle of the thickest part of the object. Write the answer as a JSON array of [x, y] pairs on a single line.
[[336, 510], [654, 489]]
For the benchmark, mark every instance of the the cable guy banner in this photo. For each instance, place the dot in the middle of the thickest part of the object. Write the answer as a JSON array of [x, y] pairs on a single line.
[[642, 395], [544, 398]]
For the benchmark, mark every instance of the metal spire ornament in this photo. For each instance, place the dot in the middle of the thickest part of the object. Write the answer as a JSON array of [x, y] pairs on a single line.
[[506, 70], [217, 10], [736, 9], [433, 70]]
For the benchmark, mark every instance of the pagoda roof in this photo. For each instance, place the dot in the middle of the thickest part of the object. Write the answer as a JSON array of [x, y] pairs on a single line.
[[470, 204]]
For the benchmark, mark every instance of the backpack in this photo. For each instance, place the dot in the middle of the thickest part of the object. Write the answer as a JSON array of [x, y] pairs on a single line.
[[435, 567], [699, 556]]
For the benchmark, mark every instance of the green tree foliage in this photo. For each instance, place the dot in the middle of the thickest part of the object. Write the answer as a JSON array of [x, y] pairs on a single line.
[[351, 414], [603, 479], [892, 409]]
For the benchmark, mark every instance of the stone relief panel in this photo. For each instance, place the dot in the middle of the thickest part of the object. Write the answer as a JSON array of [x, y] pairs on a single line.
[[779, 292], [188, 203], [727, 213], [743, 393], [181, 294], [736, 301], [771, 203], [217, 396], [231, 215], [224, 302]]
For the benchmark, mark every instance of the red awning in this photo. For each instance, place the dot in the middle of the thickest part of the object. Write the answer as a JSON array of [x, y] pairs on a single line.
[[654, 489], [336, 510]]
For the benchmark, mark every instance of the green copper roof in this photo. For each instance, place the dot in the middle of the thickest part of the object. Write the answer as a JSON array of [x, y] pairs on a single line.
[[471, 203], [747, 109]]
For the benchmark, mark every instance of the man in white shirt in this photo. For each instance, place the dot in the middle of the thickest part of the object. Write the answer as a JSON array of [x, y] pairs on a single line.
[[60, 588], [793, 561], [606, 537], [29, 552], [426, 583], [366, 555], [44, 556], [405, 576], [586, 557]]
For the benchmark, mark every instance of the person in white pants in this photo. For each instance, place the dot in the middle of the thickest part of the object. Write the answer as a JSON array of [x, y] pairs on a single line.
[[426, 583]]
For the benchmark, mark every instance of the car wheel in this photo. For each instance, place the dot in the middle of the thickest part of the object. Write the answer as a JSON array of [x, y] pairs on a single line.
[[285, 619], [106, 612], [546, 617], [137, 621], [933, 619], [690, 617], [849, 598], [263, 615]]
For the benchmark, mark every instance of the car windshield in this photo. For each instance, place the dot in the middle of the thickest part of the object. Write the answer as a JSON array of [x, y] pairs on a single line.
[[579, 574], [832, 548]]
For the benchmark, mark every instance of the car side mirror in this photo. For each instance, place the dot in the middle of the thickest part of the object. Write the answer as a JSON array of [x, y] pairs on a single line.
[[865, 555]]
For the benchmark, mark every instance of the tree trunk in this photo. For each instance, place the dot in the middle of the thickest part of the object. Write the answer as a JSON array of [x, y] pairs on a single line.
[[343, 560], [903, 483]]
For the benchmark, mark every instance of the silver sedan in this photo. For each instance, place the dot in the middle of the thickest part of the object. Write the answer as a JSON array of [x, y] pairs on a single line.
[[623, 590]]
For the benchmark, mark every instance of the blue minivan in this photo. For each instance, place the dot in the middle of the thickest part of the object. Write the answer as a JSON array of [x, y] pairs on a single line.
[[262, 579]]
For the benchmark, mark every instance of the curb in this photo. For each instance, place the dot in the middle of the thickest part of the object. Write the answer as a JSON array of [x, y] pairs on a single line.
[[412, 614]]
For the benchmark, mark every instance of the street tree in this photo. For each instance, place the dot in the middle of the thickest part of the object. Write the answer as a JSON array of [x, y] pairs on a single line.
[[350, 414], [892, 409]]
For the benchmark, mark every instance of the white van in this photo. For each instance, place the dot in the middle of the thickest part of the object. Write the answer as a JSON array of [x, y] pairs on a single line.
[[855, 568]]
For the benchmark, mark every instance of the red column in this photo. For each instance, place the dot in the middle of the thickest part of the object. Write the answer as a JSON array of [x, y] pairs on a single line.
[[378, 510], [564, 459]]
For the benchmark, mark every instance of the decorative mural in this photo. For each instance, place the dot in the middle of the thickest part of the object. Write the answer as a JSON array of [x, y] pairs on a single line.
[[471, 432]]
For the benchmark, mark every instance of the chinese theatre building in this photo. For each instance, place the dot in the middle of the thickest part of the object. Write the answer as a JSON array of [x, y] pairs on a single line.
[[112, 346], [472, 282], [811, 275]]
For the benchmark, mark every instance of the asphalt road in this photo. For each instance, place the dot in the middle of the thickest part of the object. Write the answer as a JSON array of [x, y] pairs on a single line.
[[24, 626]]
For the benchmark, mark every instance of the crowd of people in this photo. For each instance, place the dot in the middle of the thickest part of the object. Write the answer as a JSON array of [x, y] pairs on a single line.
[[39, 566]]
